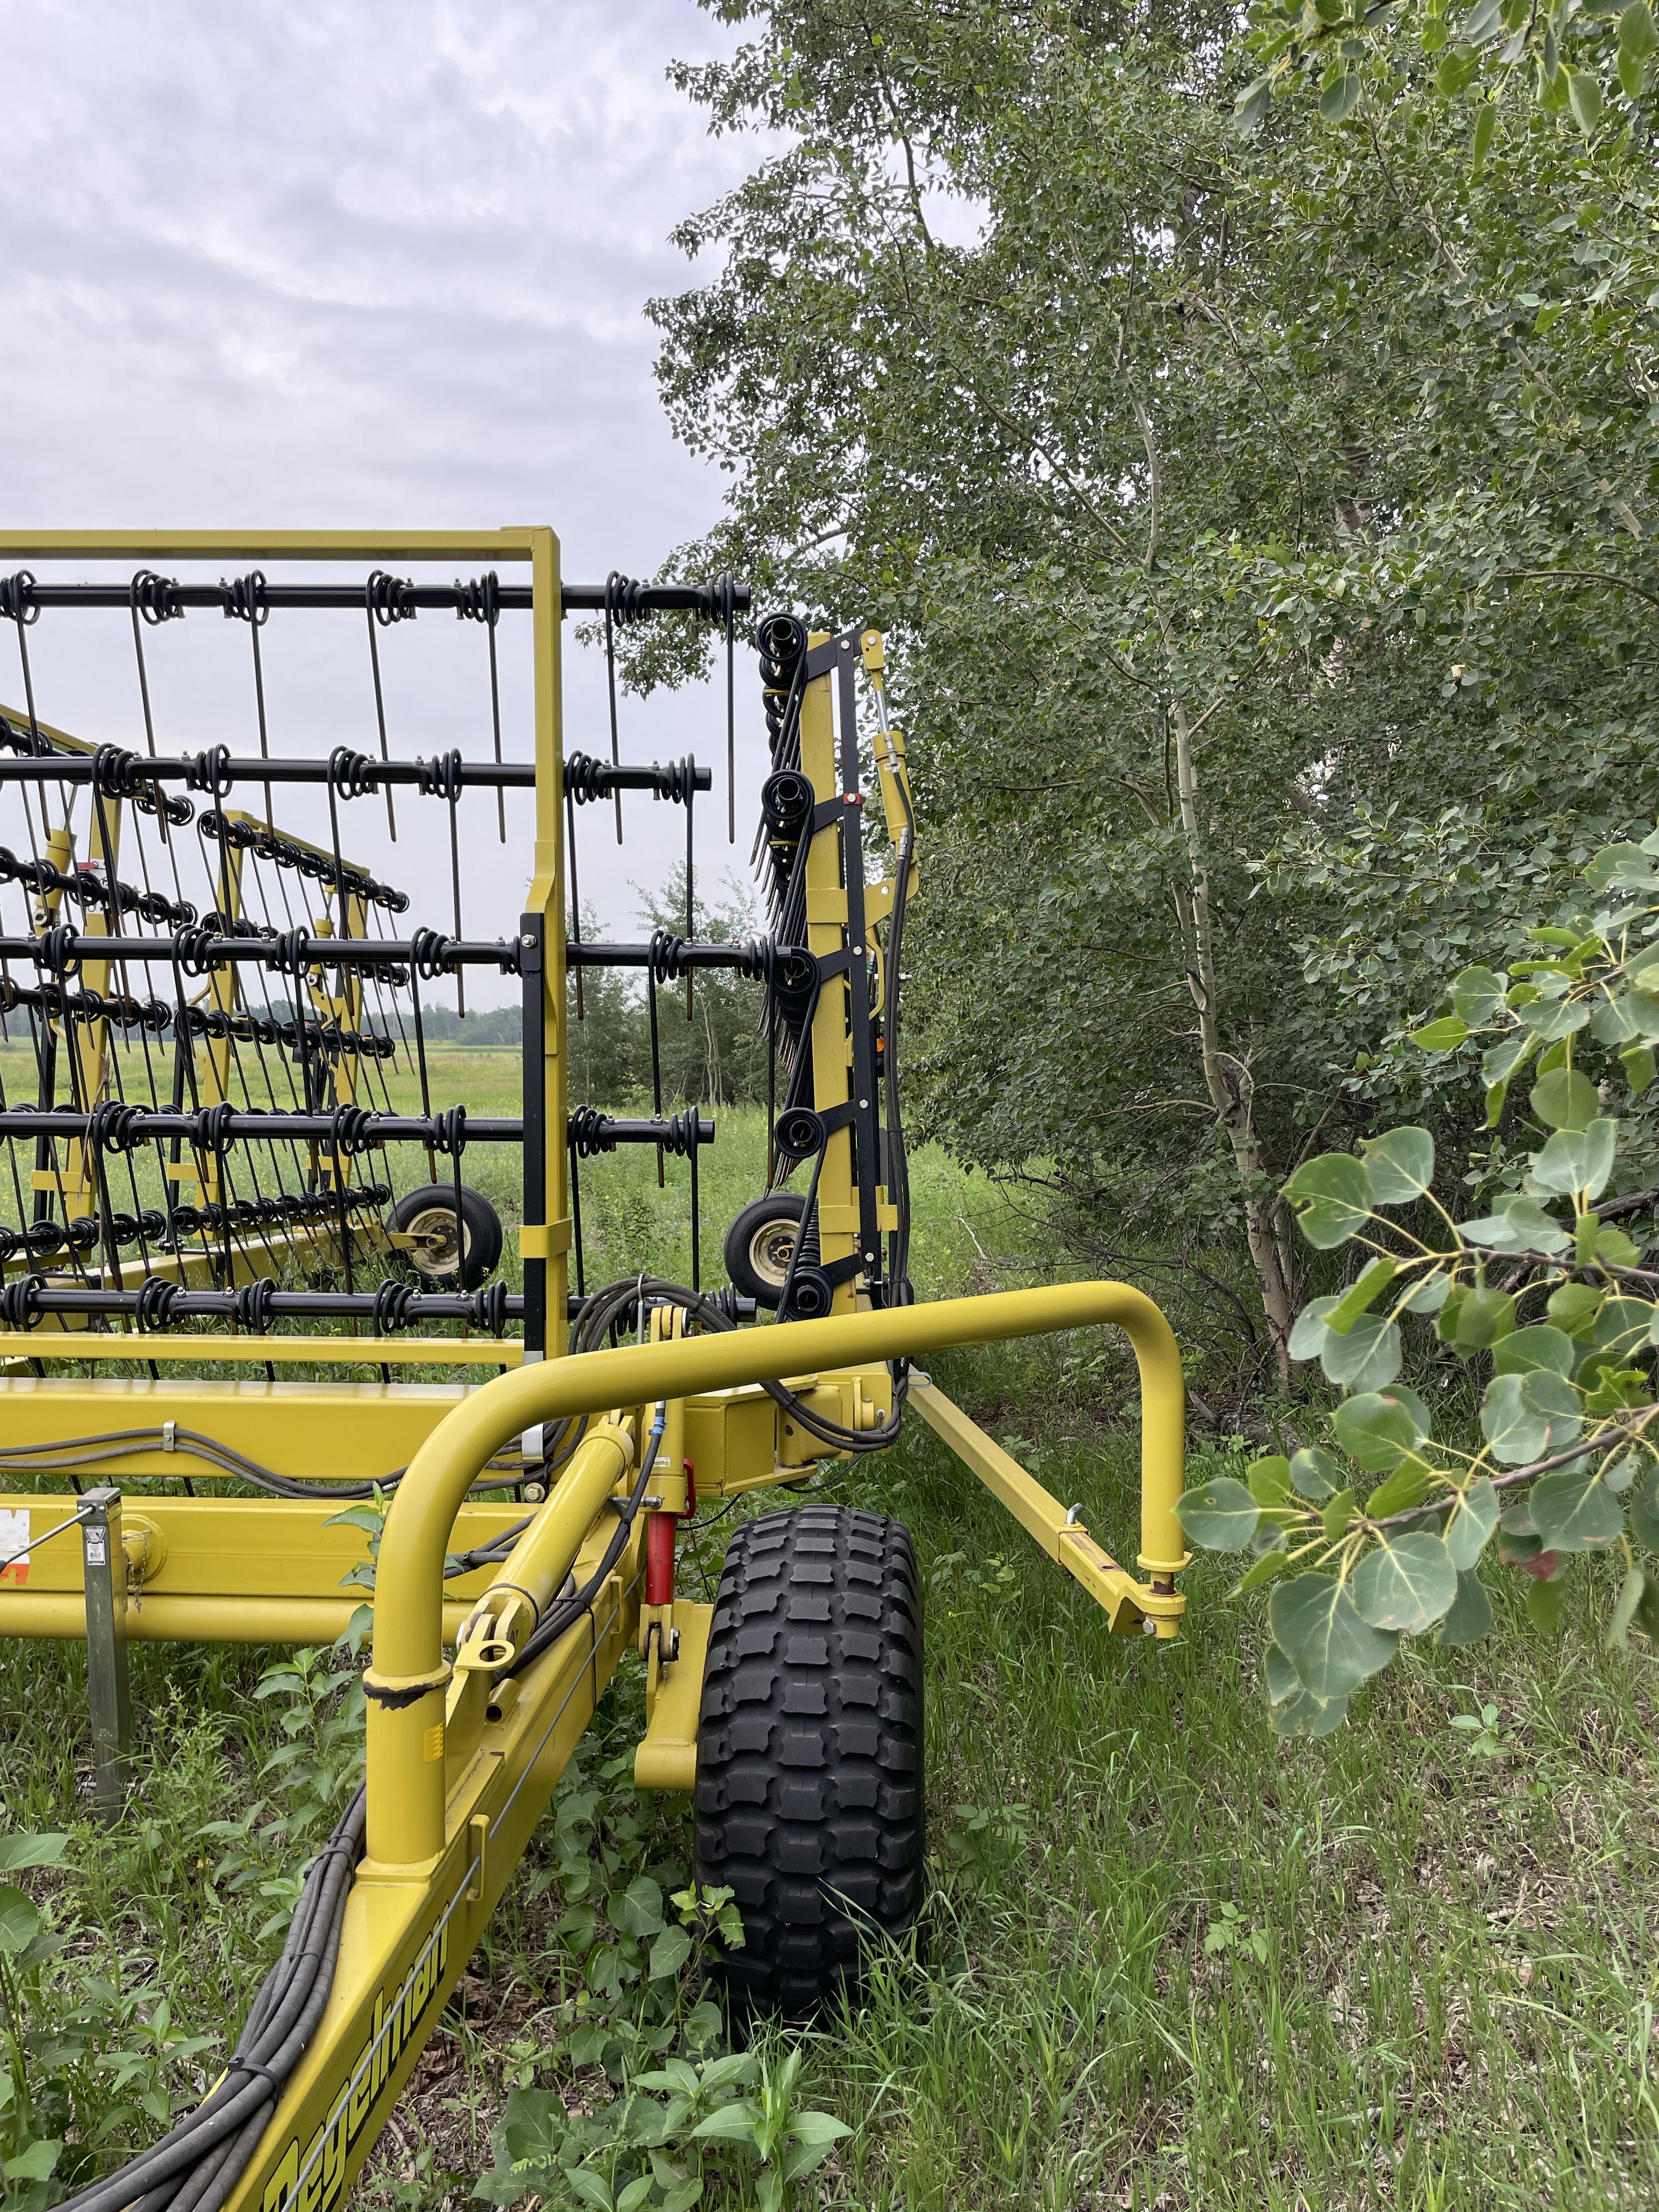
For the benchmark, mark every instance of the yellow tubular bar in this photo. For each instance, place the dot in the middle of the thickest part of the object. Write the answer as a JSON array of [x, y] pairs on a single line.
[[292, 1351], [61, 1614], [406, 1683], [538, 1563], [1133, 1608]]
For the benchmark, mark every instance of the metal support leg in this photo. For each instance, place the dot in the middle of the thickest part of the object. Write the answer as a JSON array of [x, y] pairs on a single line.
[[104, 1565]]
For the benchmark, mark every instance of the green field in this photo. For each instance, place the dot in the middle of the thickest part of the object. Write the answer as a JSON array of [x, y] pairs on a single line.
[[1168, 1961]]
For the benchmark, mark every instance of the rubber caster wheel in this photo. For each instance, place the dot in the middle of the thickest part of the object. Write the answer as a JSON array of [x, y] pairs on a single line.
[[809, 1793], [430, 1214], [759, 1244]]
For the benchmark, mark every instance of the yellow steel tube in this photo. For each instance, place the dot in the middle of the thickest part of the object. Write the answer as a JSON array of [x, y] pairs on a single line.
[[195, 1618], [544, 1554], [255, 1350], [406, 1681]]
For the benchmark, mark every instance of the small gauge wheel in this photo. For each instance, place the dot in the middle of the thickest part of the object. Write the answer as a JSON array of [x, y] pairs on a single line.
[[428, 1214], [760, 1243]]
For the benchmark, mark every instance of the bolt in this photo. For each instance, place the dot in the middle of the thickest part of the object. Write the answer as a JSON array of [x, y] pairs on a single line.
[[528, 939]]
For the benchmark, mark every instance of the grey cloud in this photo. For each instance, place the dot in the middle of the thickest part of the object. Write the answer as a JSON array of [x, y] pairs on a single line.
[[338, 264]]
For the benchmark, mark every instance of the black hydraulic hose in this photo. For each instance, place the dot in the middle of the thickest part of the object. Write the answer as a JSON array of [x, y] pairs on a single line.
[[197, 2162], [65, 1456], [566, 1612]]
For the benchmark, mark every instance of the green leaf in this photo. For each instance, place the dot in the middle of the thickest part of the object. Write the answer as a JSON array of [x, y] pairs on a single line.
[[1479, 1319], [1332, 1194], [1564, 1099], [1316, 1624], [1337, 1515], [1574, 1308], [1263, 1571], [1573, 1510], [641, 1906], [1644, 1511], [1400, 1165], [1484, 124], [1641, 1068], [1622, 1329], [1380, 1428], [817, 2127], [1539, 1346], [1314, 1473], [1500, 1062], [1337, 100], [1429, 1295], [36, 2161], [1477, 993], [18, 1852], [1303, 1715], [1519, 1224], [1280, 1676], [1268, 1481], [1470, 1524], [532, 2126], [1526, 1416], [1620, 867], [1624, 1612], [1406, 1582], [1637, 35], [1612, 1022], [1367, 1288], [1367, 1359], [1470, 1617], [1547, 1601], [591, 2187], [669, 1953], [1619, 1474], [1406, 1487], [1633, 76], [731, 2124], [1252, 105], [1585, 96], [1443, 1036], [805, 2159], [1575, 1162], [1219, 1515], [1310, 1330], [21, 1921], [1550, 1019]]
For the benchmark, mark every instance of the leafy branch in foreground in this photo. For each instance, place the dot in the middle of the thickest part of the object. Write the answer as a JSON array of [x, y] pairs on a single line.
[[1546, 1286]]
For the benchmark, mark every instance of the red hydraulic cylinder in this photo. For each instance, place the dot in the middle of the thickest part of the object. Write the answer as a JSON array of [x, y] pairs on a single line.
[[659, 1560]]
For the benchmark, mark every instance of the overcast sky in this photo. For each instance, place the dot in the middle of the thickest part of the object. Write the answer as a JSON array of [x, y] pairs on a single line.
[[356, 265]]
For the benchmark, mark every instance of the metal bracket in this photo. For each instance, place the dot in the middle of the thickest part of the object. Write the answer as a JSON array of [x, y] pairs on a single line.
[[104, 1567]]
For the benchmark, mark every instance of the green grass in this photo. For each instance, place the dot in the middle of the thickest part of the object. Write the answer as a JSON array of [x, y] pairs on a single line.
[[1168, 1961]]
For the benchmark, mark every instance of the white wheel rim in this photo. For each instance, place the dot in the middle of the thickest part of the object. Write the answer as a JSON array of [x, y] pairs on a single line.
[[436, 1221], [770, 1249]]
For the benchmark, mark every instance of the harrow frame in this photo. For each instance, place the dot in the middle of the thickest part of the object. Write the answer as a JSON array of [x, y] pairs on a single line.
[[462, 1754]]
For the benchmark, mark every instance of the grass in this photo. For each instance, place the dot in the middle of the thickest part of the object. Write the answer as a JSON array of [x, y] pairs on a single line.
[[1169, 1962]]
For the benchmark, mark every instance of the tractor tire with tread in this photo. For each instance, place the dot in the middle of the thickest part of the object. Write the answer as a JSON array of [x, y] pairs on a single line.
[[809, 1791]]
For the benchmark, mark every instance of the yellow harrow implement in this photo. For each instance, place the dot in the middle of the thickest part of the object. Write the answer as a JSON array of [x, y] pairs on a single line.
[[224, 1151]]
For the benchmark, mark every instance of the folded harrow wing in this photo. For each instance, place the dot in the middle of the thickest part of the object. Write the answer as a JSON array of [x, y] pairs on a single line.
[[249, 1273]]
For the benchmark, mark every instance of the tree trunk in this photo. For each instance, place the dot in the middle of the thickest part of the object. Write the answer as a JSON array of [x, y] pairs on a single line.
[[1226, 1078]]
